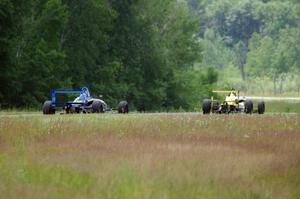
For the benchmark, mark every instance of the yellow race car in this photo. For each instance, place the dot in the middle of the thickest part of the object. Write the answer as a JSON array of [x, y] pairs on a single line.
[[233, 103]]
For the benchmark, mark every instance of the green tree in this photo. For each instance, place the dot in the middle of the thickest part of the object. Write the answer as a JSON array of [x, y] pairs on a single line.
[[40, 58], [274, 58], [275, 16], [6, 27], [215, 52], [138, 50]]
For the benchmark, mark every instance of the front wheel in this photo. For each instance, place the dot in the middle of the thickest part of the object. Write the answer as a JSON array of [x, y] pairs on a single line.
[[123, 107]]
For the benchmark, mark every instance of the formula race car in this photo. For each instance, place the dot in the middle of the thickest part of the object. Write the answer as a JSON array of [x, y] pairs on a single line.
[[84, 103], [233, 103]]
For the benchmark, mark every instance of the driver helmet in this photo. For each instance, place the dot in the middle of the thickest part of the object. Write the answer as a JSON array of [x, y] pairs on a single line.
[[86, 91]]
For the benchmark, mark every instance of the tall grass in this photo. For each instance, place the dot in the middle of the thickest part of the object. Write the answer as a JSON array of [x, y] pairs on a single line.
[[150, 156]]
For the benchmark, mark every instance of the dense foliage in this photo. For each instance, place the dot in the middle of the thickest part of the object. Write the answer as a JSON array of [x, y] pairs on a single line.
[[156, 54], [253, 43], [139, 50]]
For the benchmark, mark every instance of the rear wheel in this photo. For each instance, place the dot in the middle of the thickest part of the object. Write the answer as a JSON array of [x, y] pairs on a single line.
[[206, 106], [261, 107], [97, 107], [248, 106], [48, 109]]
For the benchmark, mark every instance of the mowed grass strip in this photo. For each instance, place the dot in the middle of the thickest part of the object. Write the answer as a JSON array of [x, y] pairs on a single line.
[[283, 107], [150, 156]]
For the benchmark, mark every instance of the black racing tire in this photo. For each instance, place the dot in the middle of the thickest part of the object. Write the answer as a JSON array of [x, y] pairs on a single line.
[[123, 107], [97, 107], [68, 108], [206, 106], [48, 109], [215, 107], [261, 107], [248, 106]]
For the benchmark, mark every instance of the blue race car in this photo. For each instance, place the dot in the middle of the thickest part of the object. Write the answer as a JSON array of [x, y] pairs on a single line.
[[82, 104]]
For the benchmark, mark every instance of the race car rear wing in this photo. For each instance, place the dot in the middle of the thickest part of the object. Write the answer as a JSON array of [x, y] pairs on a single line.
[[61, 104]]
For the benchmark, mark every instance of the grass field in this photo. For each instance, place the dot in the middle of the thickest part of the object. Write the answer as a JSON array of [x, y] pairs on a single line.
[[282, 107], [150, 156]]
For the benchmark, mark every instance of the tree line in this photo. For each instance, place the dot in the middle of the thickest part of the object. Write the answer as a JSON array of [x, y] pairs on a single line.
[[258, 38], [160, 55], [138, 50]]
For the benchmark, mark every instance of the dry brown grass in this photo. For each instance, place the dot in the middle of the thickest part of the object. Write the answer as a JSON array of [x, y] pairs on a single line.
[[150, 156]]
